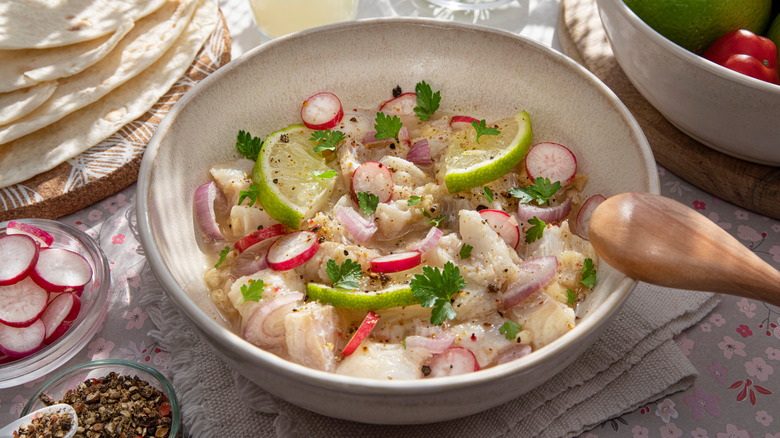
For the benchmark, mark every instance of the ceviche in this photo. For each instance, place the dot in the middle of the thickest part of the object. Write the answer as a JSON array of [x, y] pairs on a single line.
[[397, 242]]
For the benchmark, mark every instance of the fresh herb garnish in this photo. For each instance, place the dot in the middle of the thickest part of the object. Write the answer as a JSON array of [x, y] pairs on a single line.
[[536, 231], [510, 329], [588, 274], [248, 146], [252, 194], [571, 298], [481, 129], [427, 101], [413, 200], [326, 174], [435, 288], [252, 291], [368, 202], [386, 126], [465, 251], [540, 191], [435, 221], [488, 194], [326, 139], [222, 256], [345, 277]]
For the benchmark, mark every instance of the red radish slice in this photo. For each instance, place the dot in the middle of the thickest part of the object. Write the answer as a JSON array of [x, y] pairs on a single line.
[[552, 161], [209, 204], [361, 334], [401, 105], [582, 223], [552, 214], [359, 227], [375, 178], [514, 352], [435, 345], [260, 235], [535, 274], [292, 250], [452, 362], [252, 260], [429, 241], [420, 153], [4, 358], [22, 341], [59, 314], [43, 238], [265, 327], [22, 303], [18, 255], [322, 111], [504, 224], [61, 270], [459, 123], [396, 262]]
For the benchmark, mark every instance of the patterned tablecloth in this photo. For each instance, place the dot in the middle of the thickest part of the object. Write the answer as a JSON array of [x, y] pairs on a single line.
[[736, 349]]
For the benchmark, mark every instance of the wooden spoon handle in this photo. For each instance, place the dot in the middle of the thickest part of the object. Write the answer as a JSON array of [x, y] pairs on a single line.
[[658, 240]]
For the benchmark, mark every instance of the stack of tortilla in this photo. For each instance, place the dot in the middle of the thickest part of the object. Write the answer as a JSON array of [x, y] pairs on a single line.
[[73, 72]]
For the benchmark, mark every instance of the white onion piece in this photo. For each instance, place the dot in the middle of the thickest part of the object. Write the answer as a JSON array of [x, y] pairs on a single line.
[[360, 228], [535, 274], [582, 224], [428, 242], [514, 352], [265, 327], [252, 260], [420, 153], [555, 213], [435, 345], [209, 202]]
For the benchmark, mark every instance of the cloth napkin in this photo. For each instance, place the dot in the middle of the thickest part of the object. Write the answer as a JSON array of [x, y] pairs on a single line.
[[635, 362]]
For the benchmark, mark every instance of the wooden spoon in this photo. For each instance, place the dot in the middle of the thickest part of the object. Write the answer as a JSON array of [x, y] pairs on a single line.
[[657, 240]]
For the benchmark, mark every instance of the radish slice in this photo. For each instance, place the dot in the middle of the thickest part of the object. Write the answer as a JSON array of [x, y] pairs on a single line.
[[292, 250], [252, 260], [209, 204], [59, 314], [459, 123], [582, 222], [22, 341], [22, 303], [43, 238], [400, 106], [265, 327], [259, 236], [360, 228], [396, 262], [375, 178], [552, 161], [556, 213], [514, 352], [503, 224], [361, 334], [452, 362], [322, 111], [18, 255], [420, 153], [61, 270], [535, 274], [435, 345], [429, 241]]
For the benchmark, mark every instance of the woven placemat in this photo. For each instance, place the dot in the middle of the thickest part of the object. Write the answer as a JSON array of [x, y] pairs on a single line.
[[113, 164]]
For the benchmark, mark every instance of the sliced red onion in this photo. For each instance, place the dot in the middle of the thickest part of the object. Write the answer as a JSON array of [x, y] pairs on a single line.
[[435, 345], [360, 228], [420, 153], [556, 213], [514, 352], [429, 241], [582, 223], [403, 135], [535, 274], [209, 203], [265, 327], [252, 260]]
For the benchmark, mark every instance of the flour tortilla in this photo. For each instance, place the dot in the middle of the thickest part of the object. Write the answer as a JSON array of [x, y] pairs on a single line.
[[17, 104], [43, 150], [27, 67], [146, 42], [38, 24]]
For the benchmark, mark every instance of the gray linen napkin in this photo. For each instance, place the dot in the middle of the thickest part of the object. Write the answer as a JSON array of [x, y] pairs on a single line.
[[633, 363]]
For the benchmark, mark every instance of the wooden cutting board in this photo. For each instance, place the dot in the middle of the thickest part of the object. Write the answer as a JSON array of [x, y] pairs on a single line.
[[755, 187]]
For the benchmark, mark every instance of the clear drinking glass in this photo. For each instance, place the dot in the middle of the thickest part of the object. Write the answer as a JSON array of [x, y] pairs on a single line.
[[275, 18]]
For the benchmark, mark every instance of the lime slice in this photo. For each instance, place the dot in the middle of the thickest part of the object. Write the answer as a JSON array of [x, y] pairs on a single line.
[[470, 164], [395, 296], [285, 176]]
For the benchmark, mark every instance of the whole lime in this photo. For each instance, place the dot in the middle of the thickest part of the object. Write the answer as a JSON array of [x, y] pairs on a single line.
[[695, 24]]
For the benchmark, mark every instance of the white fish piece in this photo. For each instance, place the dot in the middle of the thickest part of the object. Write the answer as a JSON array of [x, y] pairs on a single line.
[[481, 337], [395, 218], [275, 283], [245, 220], [233, 177], [381, 361], [491, 261], [405, 173], [312, 336], [546, 318]]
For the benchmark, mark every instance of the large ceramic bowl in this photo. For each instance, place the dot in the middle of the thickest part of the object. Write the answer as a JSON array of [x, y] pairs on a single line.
[[725, 110], [491, 73]]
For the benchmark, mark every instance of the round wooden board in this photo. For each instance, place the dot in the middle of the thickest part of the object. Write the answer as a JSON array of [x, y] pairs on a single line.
[[113, 164], [755, 187]]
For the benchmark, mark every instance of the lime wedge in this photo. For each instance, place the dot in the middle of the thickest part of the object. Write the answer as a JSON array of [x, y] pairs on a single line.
[[285, 176], [470, 164], [395, 296]]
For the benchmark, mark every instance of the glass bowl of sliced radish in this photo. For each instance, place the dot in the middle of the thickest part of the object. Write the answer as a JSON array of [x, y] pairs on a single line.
[[54, 292]]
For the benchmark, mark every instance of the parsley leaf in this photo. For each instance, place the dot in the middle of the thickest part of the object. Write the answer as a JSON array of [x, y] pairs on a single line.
[[252, 194], [588, 274], [386, 126], [248, 146], [510, 329], [345, 277], [435, 288], [571, 298], [481, 129], [427, 101], [435, 221], [465, 251], [324, 173], [252, 291], [222, 256], [488, 194], [536, 231], [413, 200], [327, 139], [368, 202], [540, 191]]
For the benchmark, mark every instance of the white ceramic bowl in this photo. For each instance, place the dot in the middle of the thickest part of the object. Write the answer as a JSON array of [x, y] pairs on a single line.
[[492, 73], [725, 110]]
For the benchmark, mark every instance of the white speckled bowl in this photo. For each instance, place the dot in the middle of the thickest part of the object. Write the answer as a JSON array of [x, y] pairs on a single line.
[[492, 73], [725, 110]]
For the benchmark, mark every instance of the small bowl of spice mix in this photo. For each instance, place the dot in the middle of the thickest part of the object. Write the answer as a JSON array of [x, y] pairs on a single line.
[[114, 398]]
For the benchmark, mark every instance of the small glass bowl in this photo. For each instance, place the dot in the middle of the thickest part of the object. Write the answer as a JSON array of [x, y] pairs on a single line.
[[94, 303], [71, 378]]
